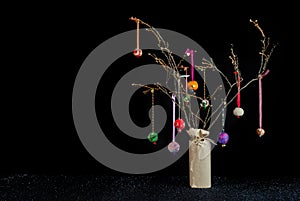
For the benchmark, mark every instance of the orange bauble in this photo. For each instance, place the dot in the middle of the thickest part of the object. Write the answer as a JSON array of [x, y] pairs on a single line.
[[193, 85]]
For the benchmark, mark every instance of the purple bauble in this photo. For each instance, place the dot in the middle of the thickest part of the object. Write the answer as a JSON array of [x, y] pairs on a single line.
[[223, 138]]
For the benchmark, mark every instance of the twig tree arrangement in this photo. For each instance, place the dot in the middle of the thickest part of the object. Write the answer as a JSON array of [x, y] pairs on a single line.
[[189, 91]]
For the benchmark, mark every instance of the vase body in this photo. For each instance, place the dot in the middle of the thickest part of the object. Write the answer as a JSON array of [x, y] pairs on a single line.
[[199, 159]]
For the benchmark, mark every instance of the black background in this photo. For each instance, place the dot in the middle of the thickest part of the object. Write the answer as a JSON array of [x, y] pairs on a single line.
[[46, 48]]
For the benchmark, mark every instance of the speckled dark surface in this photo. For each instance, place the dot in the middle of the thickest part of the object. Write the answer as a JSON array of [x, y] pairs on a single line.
[[93, 188]]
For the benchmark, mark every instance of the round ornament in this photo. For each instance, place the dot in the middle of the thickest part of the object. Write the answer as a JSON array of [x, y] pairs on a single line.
[[173, 147], [204, 104], [238, 111], [179, 124], [187, 98], [260, 132], [153, 137], [137, 52], [223, 138], [193, 85]]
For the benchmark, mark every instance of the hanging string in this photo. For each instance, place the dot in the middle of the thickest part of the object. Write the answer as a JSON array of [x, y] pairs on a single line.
[[187, 96], [137, 51], [153, 136], [205, 103], [204, 83], [238, 98], [173, 99], [189, 52], [138, 34], [223, 117], [179, 98], [260, 96], [192, 84], [173, 146], [260, 131], [260, 101], [152, 115], [179, 123], [186, 82], [192, 65], [223, 136], [238, 111]]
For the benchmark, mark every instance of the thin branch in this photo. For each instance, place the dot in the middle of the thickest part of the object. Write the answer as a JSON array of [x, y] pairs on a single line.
[[172, 68]]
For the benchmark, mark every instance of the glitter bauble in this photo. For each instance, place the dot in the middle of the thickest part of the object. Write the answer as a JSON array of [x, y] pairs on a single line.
[[153, 137], [179, 124], [187, 98], [204, 104], [260, 132], [238, 111], [137, 52], [193, 85], [173, 147], [191, 92], [223, 138]]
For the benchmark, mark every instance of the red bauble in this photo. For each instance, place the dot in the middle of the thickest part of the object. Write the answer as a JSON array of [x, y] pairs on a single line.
[[137, 52], [179, 124]]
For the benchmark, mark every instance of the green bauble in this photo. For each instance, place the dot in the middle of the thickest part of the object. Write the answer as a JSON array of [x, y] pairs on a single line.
[[187, 98], [204, 104], [153, 137]]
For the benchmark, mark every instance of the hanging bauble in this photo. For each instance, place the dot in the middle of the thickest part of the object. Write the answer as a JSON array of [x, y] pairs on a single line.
[[153, 137], [173, 147], [204, 104], [223, 138], [260, 132], [179, 124], [137, 52], [193, 85], [238, 111], [191, 92], [187, 98]]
